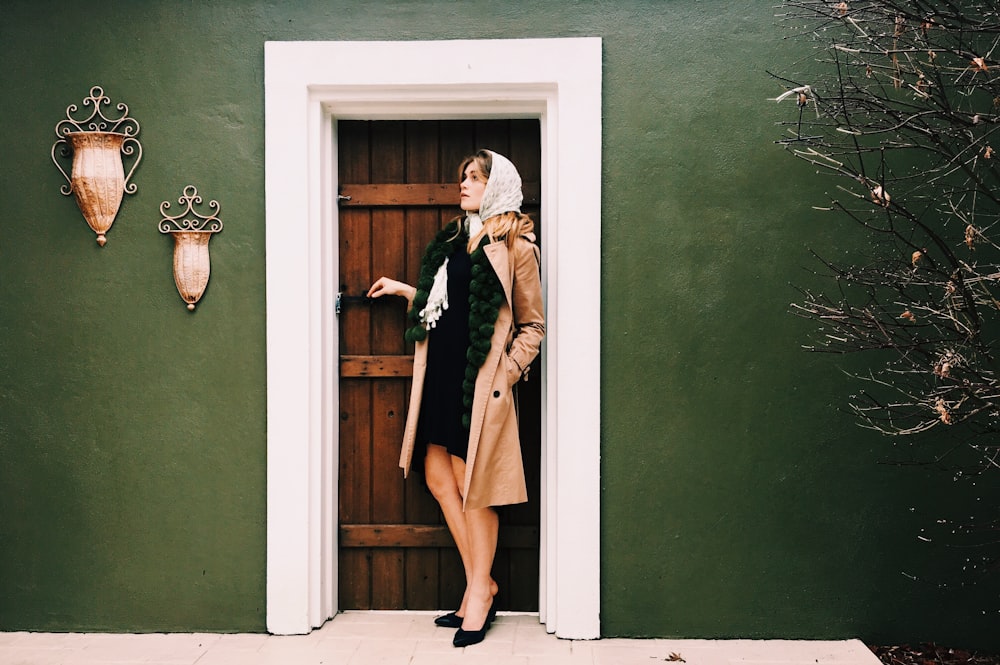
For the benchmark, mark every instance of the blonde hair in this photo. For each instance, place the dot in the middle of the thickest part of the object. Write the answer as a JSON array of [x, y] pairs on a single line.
[[508, 226]]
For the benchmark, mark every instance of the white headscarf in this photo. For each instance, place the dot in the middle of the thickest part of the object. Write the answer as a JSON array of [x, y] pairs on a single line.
[[502, 194]]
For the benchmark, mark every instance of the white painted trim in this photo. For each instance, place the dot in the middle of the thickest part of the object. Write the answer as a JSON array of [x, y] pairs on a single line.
[[308, 86]]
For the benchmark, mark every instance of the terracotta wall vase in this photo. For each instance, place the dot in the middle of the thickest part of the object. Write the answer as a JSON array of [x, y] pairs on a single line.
[[192, 231], [98, 146], [192, 265]]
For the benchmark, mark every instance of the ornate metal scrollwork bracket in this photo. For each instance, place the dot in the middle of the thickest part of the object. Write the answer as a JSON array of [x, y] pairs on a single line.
[[192, 231], [98, 146]]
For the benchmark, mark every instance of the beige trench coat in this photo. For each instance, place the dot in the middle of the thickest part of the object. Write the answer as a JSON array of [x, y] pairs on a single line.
[[494, 472]]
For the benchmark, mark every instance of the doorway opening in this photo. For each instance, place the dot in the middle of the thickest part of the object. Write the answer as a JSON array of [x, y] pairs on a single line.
[[309, 88], [398, 186]]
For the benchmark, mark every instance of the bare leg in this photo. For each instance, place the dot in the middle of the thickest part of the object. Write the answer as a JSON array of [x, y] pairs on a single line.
[[440, 477], [482, 527]]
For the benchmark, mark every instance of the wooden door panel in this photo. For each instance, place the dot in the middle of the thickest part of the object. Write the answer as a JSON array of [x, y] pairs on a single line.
[[422, 567], [395, 550]]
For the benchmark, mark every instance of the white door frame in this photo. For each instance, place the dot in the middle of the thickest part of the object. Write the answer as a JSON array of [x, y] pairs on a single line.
[[310, 85]]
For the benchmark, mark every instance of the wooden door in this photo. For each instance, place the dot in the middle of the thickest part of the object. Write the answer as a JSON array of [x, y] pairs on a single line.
[[395, 550]]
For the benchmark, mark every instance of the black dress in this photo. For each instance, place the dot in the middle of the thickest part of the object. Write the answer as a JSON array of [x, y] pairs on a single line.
[[441, 407]]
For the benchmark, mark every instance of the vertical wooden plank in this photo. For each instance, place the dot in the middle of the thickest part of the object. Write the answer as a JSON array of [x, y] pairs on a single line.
[[388, 395], [451, 579], [387, 166], [355, 579], [422, 165], [458, 141], [387, 432], [354, 233], [354, 323], [355, 241], [525, 152], [421, 579], [524, 148], [503, 575], [494, 135], [355, 395], [355, 490], [388, 590], [523, 566], [388, 259], [530, 426], [355, 460], [388, 148]]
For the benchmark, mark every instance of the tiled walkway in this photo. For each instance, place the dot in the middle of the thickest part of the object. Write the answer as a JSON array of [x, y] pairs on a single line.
[[410, 638]]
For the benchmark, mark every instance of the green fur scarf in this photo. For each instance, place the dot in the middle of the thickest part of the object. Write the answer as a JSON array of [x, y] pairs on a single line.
[[485, 297]]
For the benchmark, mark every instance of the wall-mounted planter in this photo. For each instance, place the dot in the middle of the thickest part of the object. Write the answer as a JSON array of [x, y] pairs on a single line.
[[191, 232], [98, 146]]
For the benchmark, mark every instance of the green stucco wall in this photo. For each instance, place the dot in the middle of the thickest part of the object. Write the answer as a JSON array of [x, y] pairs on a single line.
[[737, 501]]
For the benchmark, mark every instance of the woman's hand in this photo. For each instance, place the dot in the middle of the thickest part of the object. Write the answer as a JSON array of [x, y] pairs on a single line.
[[384, 286]]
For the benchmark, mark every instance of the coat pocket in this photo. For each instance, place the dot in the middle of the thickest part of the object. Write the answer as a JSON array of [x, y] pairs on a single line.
[[513, 370]]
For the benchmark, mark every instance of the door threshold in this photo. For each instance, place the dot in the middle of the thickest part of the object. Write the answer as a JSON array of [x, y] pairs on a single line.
[[502, 613]]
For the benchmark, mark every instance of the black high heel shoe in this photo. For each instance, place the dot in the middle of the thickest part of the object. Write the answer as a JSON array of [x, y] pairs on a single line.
[[449, 620], [464, 638], [491, 615]]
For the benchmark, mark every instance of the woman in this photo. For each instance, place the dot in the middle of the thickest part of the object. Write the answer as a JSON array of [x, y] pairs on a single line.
[[477, 323]]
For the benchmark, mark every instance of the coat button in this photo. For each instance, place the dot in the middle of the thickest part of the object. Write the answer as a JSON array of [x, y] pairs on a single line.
[[496, 393]]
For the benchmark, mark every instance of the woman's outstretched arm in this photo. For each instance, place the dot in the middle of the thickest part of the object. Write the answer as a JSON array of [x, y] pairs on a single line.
[[384, 286]]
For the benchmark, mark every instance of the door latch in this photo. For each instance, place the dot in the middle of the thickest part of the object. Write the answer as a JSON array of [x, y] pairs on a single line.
[[342, 300]]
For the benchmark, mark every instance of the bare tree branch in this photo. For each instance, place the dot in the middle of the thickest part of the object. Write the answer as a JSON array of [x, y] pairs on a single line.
[[902, 109]]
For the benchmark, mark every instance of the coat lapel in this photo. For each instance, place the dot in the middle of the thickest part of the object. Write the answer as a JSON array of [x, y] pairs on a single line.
[[497, 254]]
